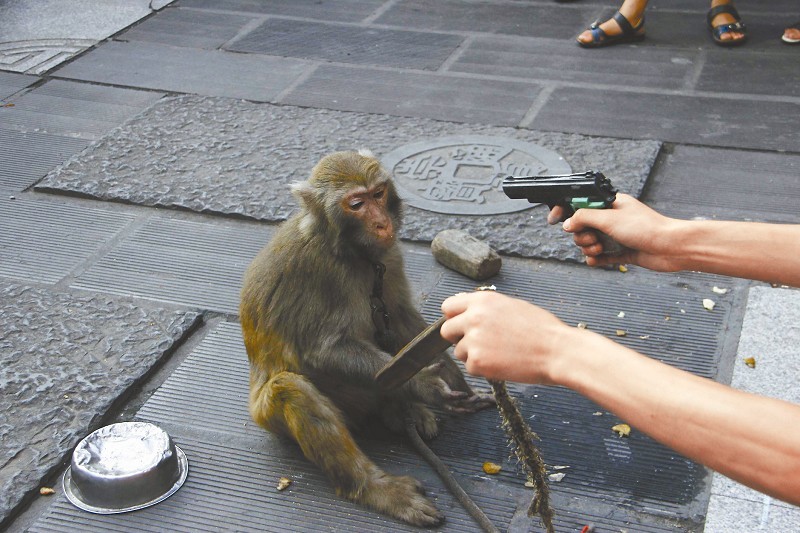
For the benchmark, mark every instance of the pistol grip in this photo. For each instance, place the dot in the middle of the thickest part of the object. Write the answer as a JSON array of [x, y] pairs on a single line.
[[610, 246]]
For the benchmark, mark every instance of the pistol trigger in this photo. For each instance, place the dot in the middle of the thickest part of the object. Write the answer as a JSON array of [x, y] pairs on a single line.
[[569, 210]]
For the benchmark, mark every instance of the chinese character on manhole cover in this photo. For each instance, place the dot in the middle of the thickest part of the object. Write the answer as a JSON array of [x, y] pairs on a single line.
[[462, 175]]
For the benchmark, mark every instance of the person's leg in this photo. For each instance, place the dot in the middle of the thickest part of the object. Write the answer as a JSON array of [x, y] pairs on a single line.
[[632, 10]]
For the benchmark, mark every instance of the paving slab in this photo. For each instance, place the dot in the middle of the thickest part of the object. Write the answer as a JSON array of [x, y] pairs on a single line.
[[770, 334], [723, 72], [73, 110], [238, 158], [189, 28], [341, 10], [172, 68], [349, 44], [415, 94], [38, 36], [759, 124], [527, 19], [694, 181], [61, 373], [561, 60]]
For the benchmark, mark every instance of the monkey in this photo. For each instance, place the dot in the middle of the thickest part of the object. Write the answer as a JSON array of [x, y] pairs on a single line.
[[324, 306]]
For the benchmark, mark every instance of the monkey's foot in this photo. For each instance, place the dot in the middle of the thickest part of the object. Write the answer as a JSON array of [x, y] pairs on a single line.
[[402, 497], [424, 420]]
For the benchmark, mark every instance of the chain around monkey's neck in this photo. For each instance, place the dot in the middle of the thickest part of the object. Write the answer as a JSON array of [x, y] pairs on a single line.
[[384, 336]]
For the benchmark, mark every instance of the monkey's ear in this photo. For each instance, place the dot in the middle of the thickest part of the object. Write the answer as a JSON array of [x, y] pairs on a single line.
[[305, 193], [366, 152]]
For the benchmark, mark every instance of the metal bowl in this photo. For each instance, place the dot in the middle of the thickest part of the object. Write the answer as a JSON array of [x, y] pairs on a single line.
[[124, 467]]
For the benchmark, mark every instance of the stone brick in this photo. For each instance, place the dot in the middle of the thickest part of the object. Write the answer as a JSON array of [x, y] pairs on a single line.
[[465, 254]]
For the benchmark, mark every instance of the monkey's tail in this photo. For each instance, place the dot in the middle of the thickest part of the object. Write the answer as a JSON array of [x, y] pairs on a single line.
[[448, 479]]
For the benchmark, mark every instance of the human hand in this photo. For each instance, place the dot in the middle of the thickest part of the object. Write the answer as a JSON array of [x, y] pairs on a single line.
[[645, 235], [498, 337]]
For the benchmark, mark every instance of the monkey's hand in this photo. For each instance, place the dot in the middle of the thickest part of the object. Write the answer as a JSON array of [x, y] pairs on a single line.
[[429, 387], [473, 402]]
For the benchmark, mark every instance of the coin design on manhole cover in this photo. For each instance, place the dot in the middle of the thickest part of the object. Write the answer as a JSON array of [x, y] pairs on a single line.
[[463, 175]]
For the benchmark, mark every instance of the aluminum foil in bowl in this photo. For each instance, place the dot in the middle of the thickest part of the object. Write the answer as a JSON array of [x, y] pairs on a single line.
[[124, 467]]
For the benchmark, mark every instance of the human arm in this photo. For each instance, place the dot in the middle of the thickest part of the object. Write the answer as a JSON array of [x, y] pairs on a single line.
[[751, 250], [752, 439]]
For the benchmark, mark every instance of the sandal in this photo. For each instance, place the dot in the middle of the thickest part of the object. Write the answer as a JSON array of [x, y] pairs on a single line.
[[717, 31], [790, 40], [629, 33]]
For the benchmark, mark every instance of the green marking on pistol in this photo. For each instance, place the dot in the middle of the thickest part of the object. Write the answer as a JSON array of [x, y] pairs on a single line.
[[585, 203]]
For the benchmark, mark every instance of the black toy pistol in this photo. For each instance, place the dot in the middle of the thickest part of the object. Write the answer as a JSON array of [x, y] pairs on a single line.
[[585, 190], [588, 189]]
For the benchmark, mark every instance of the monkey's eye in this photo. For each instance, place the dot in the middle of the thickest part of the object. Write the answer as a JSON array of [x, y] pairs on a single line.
[[379, 194], [355, 205]]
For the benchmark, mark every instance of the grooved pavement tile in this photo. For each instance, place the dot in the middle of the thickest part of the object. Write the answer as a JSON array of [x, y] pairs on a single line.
[[714, 121], [11, 83], [28, 157], [69, 90], [664, 319], [73, 109], [722, 183], [43, 241], [189, 28], [169, 68], [340, 10], [538, 59], [415, 95], [231, 487], [349, 44], [192, 263]]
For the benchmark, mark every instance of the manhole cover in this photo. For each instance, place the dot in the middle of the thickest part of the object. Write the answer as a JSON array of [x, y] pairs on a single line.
[[462, 175]]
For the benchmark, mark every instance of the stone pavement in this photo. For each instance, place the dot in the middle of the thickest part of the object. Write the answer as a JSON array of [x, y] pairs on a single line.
[[146, 153]]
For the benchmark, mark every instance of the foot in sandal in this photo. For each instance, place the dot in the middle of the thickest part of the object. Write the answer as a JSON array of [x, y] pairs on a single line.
[[791, 35], [615, 30], [725, 24]]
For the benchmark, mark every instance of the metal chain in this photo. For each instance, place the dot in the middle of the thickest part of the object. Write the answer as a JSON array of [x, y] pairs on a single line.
[[380, 316]]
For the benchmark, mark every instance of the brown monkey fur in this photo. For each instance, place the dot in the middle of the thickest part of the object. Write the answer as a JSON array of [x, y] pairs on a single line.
[[310, 336]]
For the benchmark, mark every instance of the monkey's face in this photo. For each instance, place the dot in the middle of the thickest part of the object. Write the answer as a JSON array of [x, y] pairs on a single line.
[[368, 208]]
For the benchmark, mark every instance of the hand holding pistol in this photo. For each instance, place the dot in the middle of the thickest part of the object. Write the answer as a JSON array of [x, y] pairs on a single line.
[[584, 190]]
